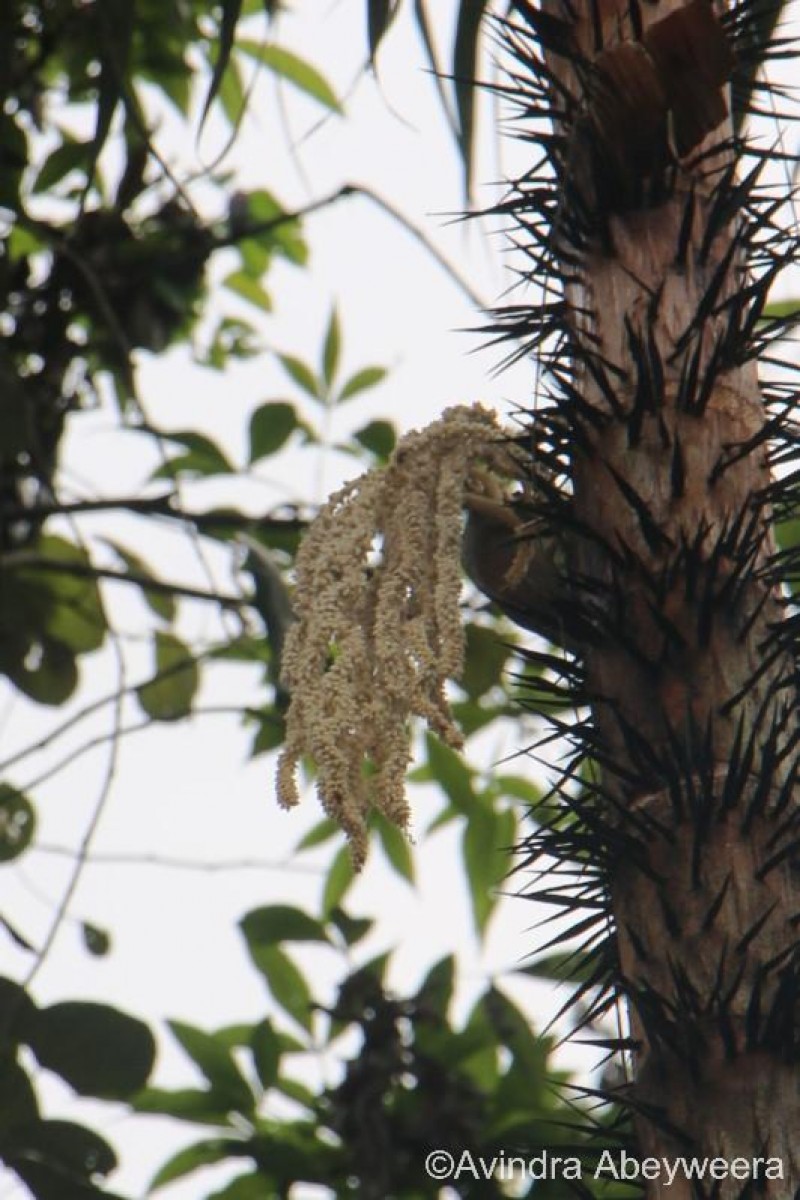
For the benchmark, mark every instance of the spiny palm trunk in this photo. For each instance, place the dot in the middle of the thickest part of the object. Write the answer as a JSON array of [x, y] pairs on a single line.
[[664, 246]]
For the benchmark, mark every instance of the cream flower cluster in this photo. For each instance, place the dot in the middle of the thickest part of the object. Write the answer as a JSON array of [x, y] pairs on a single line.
[[378, 629]]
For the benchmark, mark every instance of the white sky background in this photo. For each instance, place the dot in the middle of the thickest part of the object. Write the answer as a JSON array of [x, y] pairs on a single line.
[[188, 790]]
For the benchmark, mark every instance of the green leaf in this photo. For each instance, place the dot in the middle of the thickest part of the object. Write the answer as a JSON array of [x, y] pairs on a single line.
[[465, 69], [66, 1147], [249, 289], [69, 156], [48, 672], [201, 1107], [271, 426], [488, 838], [559, 967], [161, 603], [436, 990], [223, 43], [322, 832], [395, 846], [452, 774], [294, 70], [379, 17], [339, 878], [517, 787], [379, 437], [331, 349], [362, 381], [17, 938], [285, 982], [115, 28], [486, 657], [97, 941], [302, 375], [192, 1158], [229, 1088], [782, 308], [436, 71], [170, 694], [271, 734], [97, 1049], [74, 614], [265, 1046], [202, 458], [275, 923], [243, 1187], [352, 929], [18, 1104], [17, 822]]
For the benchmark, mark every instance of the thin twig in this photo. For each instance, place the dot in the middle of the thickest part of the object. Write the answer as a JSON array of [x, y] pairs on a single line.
[[91, 828], [132, 858]]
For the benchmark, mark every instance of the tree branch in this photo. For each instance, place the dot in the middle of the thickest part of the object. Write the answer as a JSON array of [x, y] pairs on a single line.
[[38, 562]]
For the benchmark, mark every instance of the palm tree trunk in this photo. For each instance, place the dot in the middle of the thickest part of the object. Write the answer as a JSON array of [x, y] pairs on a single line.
[[664, 247]]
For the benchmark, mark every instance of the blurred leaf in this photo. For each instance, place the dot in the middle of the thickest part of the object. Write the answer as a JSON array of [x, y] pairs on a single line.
[[323, 831], [294, 70], [362, 381], [274, 233], [331, 349], [68, 156], [266, 1049], [270, 734], [352, 929], [276, 923], [18, 1104], [202, 1107], [436, 990], [465, 70], [286, 983], [339, 878], [486, 656], [488, 838], [115, 25], [395, 846], [161, 603], [302, 375], [17, 822], [48, 673], [66, 1146], [192, 1158], [379, 18], [96, 940], [452, 774], [50, 1182], [170, 694], [202, 458], [229, 1088], [565, 965], [271, 426], [17, 938], [97, 1049], [249, 289], [223, 44], [517, 787], [379, 437], [243, 1187], [782, 309], [439, 77], [74, 616]]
